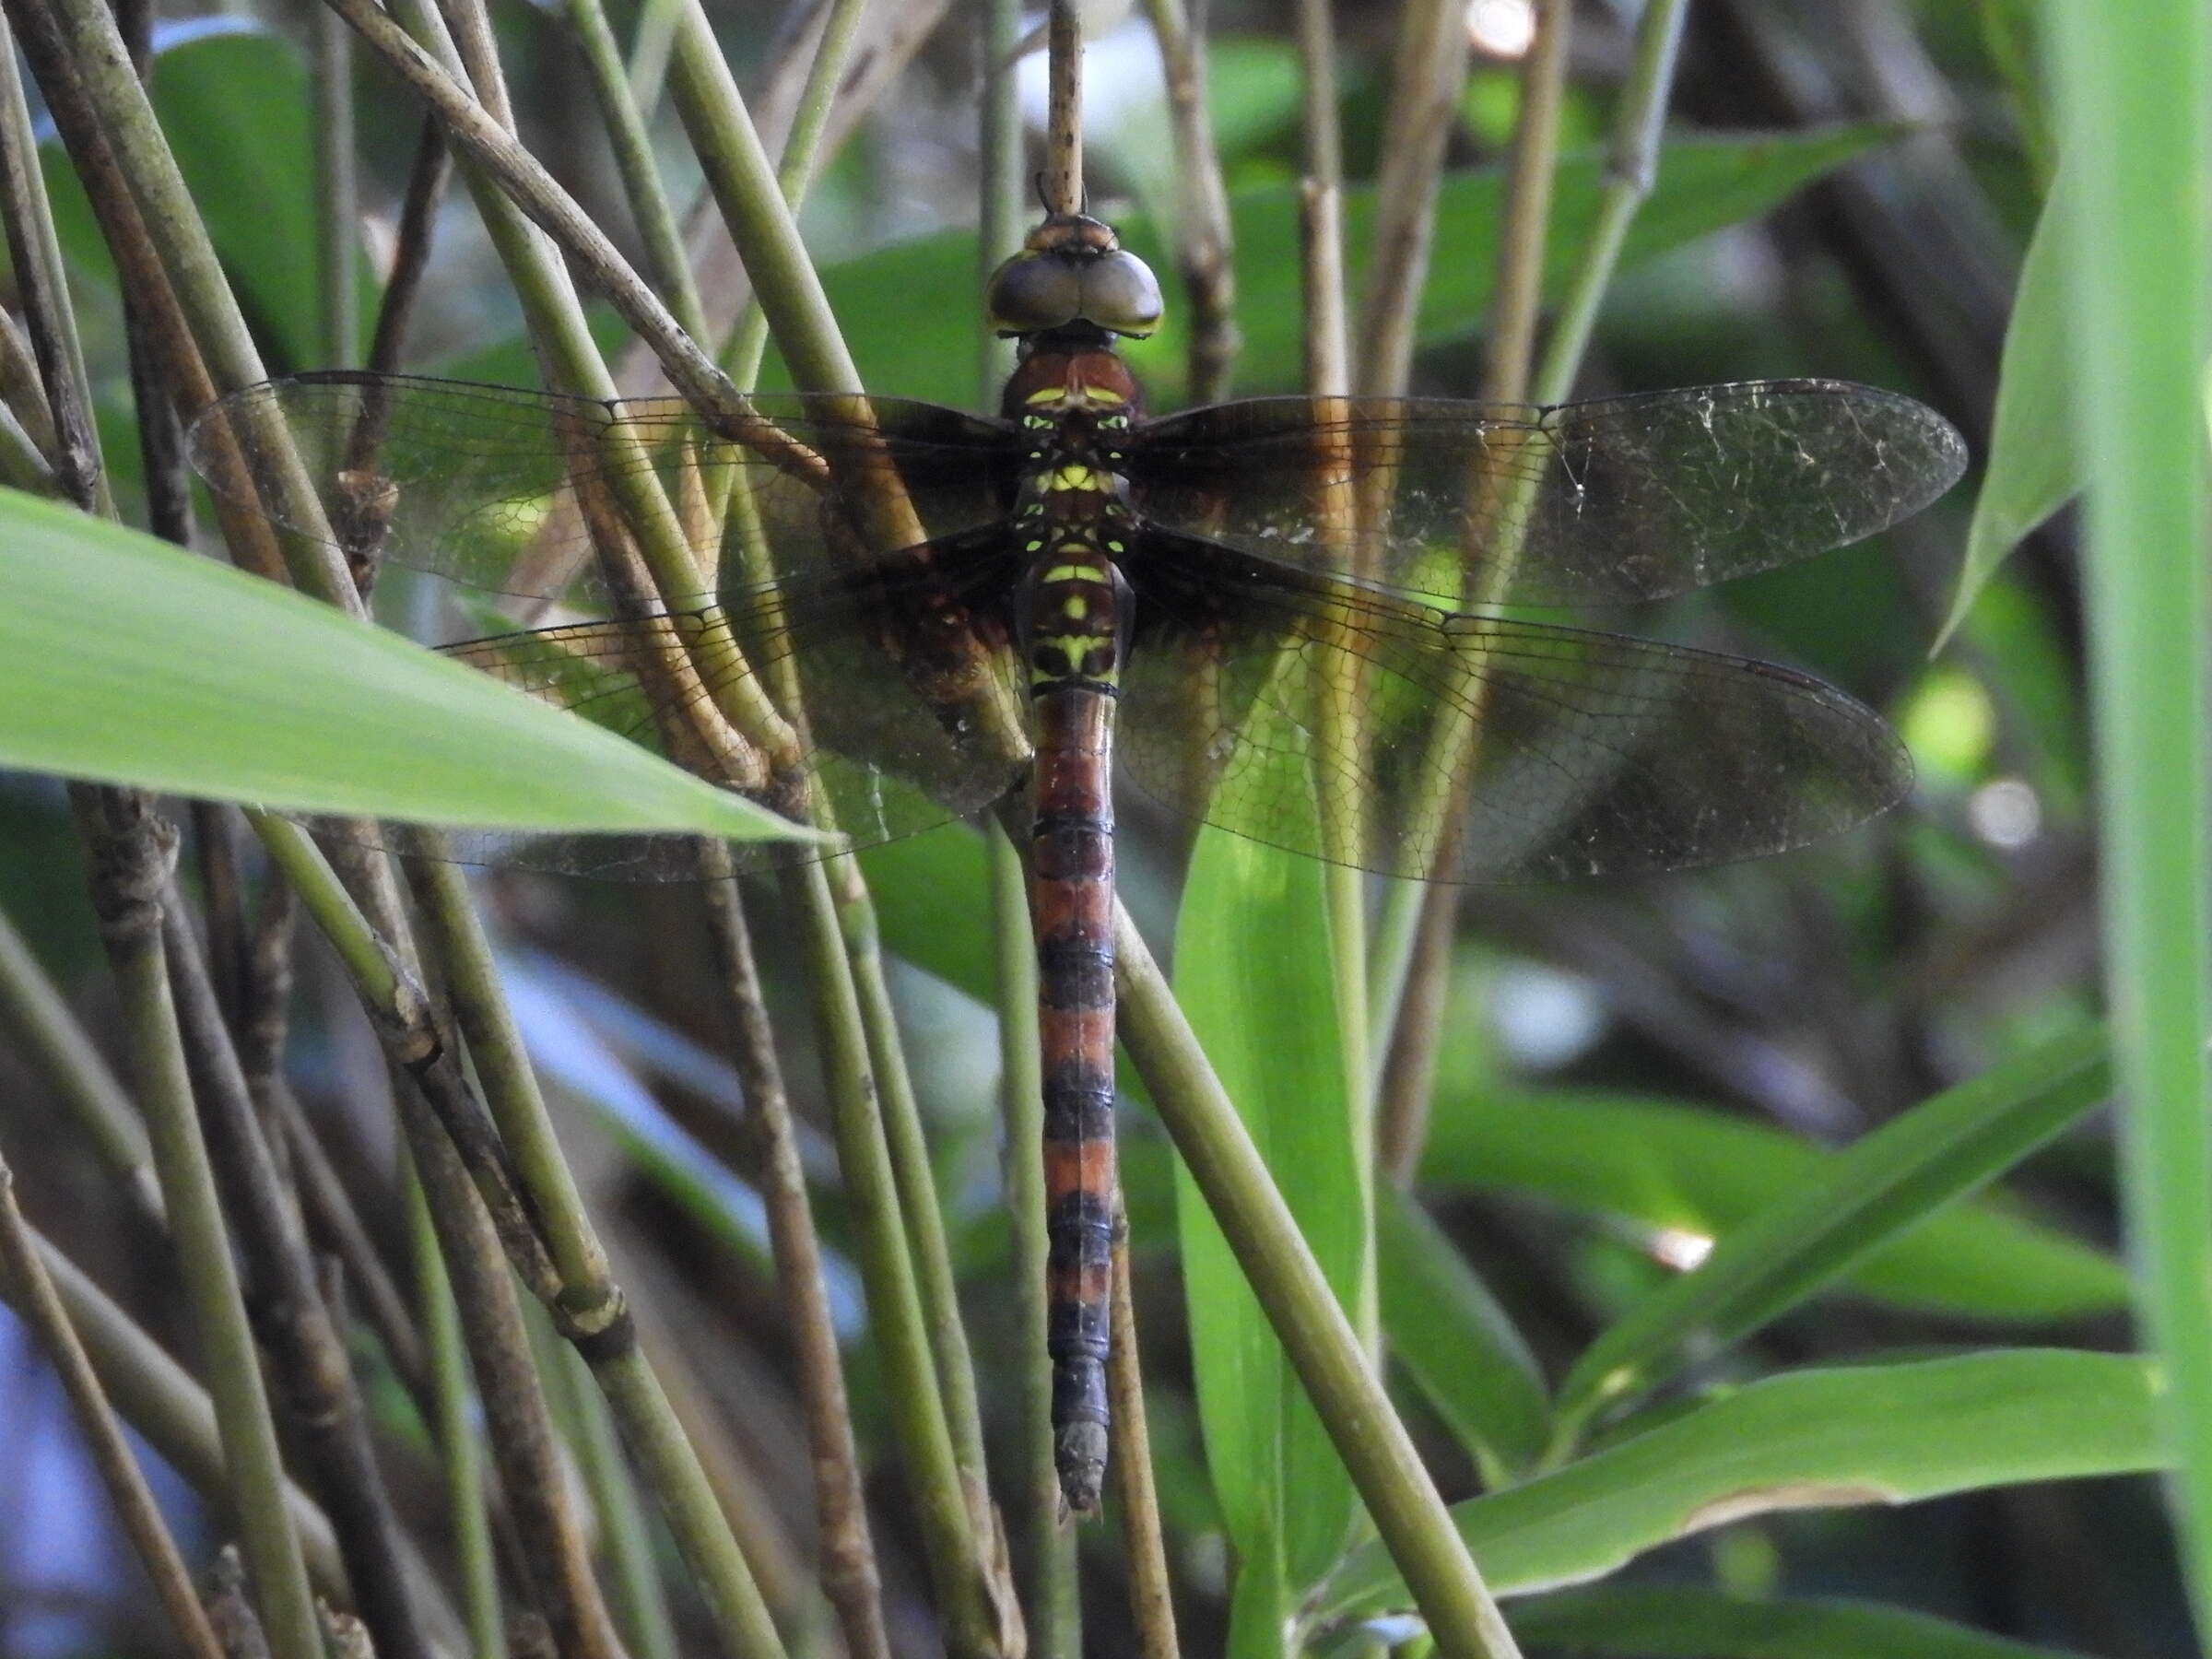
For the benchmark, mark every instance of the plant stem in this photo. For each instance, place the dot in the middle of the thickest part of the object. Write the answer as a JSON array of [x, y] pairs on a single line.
[[338, 193], [131, 850], [32, 1292], [461, 1463], [1319, 1340], [1054, 1594], [1204, 249]]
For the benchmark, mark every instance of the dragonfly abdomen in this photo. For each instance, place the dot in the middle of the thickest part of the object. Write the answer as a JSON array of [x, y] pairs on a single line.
[[1074, 623]]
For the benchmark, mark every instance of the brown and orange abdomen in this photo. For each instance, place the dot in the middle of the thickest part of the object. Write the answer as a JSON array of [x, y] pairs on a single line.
[[1071, 898]]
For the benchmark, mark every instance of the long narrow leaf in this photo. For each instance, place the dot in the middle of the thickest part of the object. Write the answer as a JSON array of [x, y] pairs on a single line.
[[1811, 1439], [1686, 1623], [126, 660], [1891, 1181]]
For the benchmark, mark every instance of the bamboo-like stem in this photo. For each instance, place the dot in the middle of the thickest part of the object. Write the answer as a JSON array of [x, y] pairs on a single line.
[[672, 1468], [56, 1044], [32, 1292], [648, 67], [336, 1222], [1322, 1346], [1534, 165], [1205, 250], [401, 1019], [93, 89], [1002, 196], [640, 1607], [754, 207], [1417, 960], [475, 129], [754, 210], [554, 1558], [796, 167], [57, 353], [23, 464], [1631, 169], [900, 1114], [162, 1402], [1052, 1591], [1151, 1589], [1064, 109], [910, 1167], [946, 1514], [510, 1087], [337, 192], [460, 1457], [131, 850], [847, 1566], [663, 244], [294, 1323], [1427, 74]]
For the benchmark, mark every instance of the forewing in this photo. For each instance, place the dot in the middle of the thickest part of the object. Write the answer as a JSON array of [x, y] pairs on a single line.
[[1571, 753], [1619, 500], [472, 482]]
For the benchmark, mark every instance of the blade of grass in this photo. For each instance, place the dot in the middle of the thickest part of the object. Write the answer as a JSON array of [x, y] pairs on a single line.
[[1857, 1202], [1893, 1433], [2134, 86]]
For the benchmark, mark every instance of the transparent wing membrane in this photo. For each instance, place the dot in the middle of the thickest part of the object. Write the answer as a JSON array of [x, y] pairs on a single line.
[[1575, 753], [1277, 684], [1616, 501]]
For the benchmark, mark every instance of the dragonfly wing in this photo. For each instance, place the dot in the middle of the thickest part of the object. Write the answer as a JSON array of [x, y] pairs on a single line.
[[1331, 720], [472, 482], [1617, 500], [882, 761]]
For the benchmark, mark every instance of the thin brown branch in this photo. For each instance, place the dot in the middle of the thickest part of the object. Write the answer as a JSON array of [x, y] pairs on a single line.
[[849, 1573], [32, 1293]]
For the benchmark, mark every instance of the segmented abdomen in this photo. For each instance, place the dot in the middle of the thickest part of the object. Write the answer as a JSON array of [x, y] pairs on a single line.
[[1075, 608]]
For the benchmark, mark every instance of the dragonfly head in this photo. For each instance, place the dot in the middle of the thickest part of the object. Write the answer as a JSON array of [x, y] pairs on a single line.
[[1073, 272]]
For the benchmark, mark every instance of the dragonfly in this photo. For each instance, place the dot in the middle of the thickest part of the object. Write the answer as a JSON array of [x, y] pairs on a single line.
[[1317, 622]]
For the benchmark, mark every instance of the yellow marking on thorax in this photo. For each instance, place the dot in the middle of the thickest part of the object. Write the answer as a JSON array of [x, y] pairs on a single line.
[[1074, 475]]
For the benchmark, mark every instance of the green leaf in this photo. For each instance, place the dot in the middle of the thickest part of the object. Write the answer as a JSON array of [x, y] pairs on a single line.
[[1812, 1440], [1457, 1343], [1704, 185], [1691, 1170], [126, 661], [235, 106], [1687, 1623], [233, 103], [930, 894], [1253, 970], [2032, 470], [1857, 1200]]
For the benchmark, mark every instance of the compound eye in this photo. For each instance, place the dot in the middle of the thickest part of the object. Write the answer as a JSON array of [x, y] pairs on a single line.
[[1032, 292], [1121, 293]]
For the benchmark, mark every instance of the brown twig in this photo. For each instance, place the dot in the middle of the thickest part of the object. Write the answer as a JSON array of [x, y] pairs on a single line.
[[32, 1293], [1151, 1589], [849, 1573], [1205, 246], [1063, 182], [1427, 74]]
